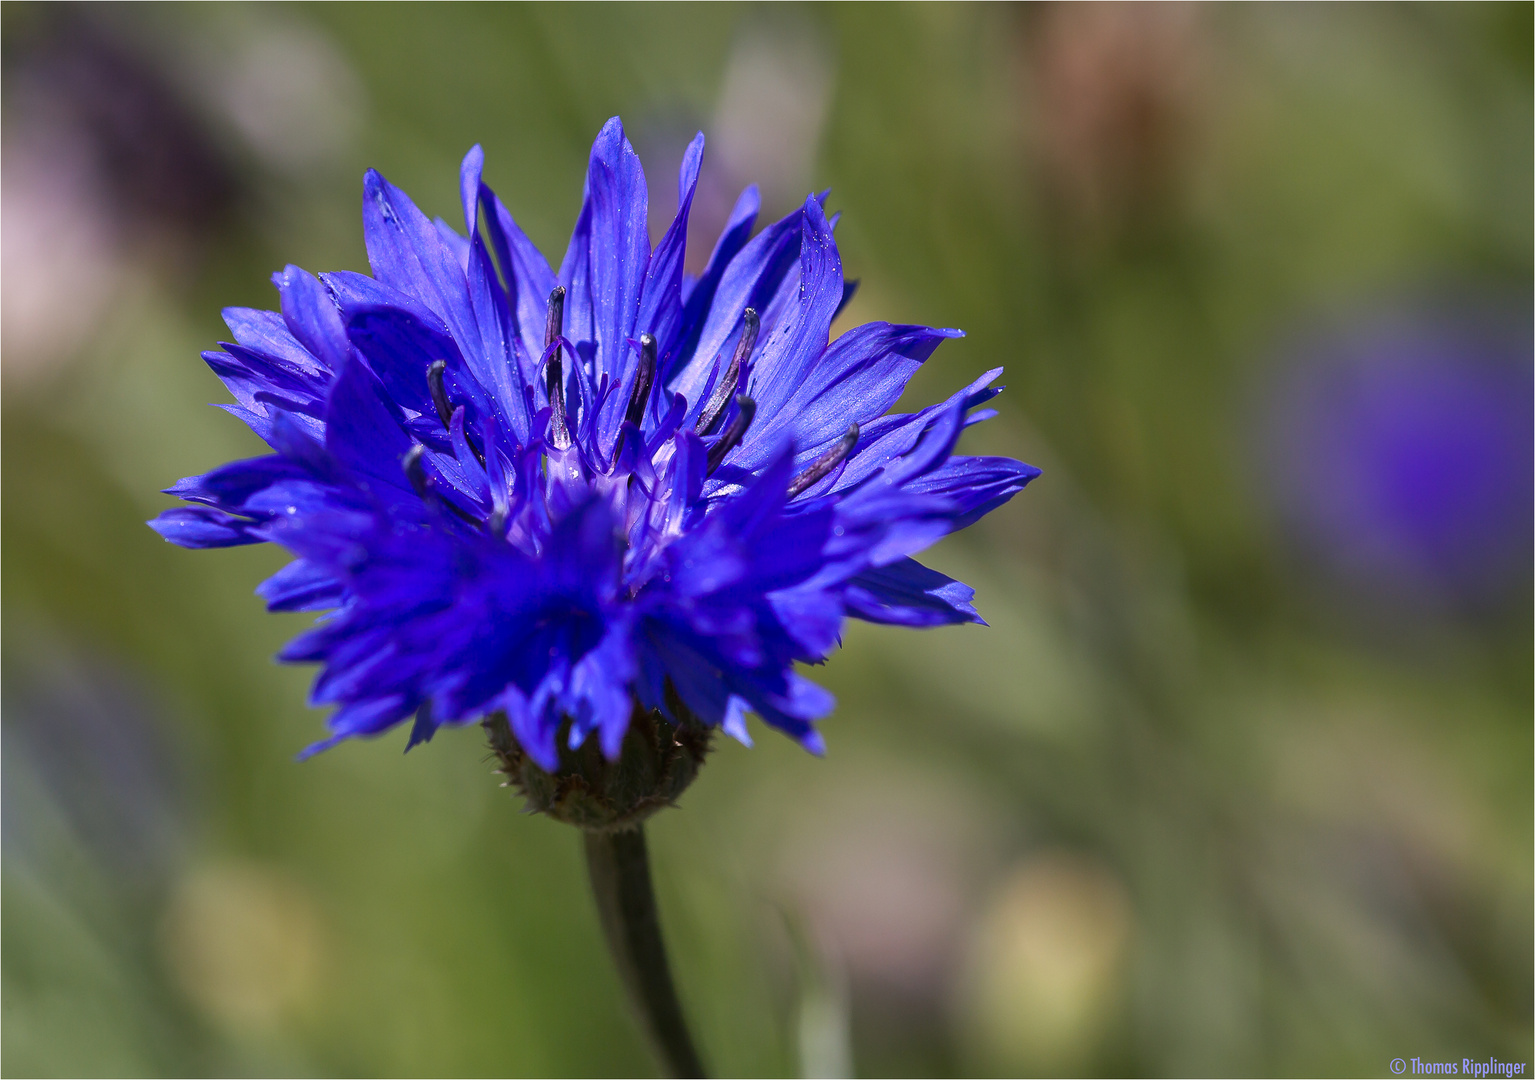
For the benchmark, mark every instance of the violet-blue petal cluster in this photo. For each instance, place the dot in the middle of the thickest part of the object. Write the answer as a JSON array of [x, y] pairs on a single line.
[[1397, 447], [556, 493]]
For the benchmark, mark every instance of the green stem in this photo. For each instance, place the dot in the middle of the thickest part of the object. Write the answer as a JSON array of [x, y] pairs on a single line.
[[620, 872]]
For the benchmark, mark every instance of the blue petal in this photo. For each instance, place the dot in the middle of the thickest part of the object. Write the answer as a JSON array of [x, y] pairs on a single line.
[[495, 364], [794, 348], [353, 290], [455, 243], [534, 732], [858, 378], [849, 290], [204, 527], [734, 723], [424, 727], [470, 172], [407, 253], [889, 437], [906, 593], [660, 302], [975, 485], [362, 433], [311, 316], [362, 718], [604, 269], [751, 279], [230, 485], [698, 297], [599, 694], [300, 586], [812, 616], [265, 331], [528, 279], [259, 382]]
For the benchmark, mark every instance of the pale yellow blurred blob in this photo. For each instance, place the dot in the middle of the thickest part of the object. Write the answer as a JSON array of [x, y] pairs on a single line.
[[245, 944], [1045, 969]]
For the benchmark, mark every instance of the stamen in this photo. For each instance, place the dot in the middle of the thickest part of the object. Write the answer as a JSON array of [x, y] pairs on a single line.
[[422, 484], [727, 384], [555, 326], [415, 472], [444, 406], [559, 434], [826, 462], [439, 392], [642, 380], [734, 433], [554, 384]]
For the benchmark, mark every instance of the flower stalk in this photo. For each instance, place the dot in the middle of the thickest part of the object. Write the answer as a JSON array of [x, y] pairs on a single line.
[[619, 865]]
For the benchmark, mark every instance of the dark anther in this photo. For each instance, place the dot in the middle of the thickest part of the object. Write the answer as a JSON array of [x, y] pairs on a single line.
[[734, 432], [416, 472], [554, 379], [727, 384], [642, 380], [444, 406], [826, 462], [439, 392], [559, 434], [556, 324], [422, 484]]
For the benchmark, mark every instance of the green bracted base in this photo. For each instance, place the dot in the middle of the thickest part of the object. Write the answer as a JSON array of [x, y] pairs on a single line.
[[658, 761]]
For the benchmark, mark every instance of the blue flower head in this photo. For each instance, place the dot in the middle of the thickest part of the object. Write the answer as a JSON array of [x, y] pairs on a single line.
[[572, 499]]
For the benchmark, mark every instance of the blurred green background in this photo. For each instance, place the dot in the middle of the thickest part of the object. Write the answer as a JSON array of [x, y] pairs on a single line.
[[1238, 780]]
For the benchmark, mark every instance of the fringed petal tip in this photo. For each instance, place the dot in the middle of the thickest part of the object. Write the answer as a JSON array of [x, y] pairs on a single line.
[[204, 527], [319, 747]]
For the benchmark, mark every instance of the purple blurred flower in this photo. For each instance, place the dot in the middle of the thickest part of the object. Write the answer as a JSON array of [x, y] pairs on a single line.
[[559, 494], [1400, 452]]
